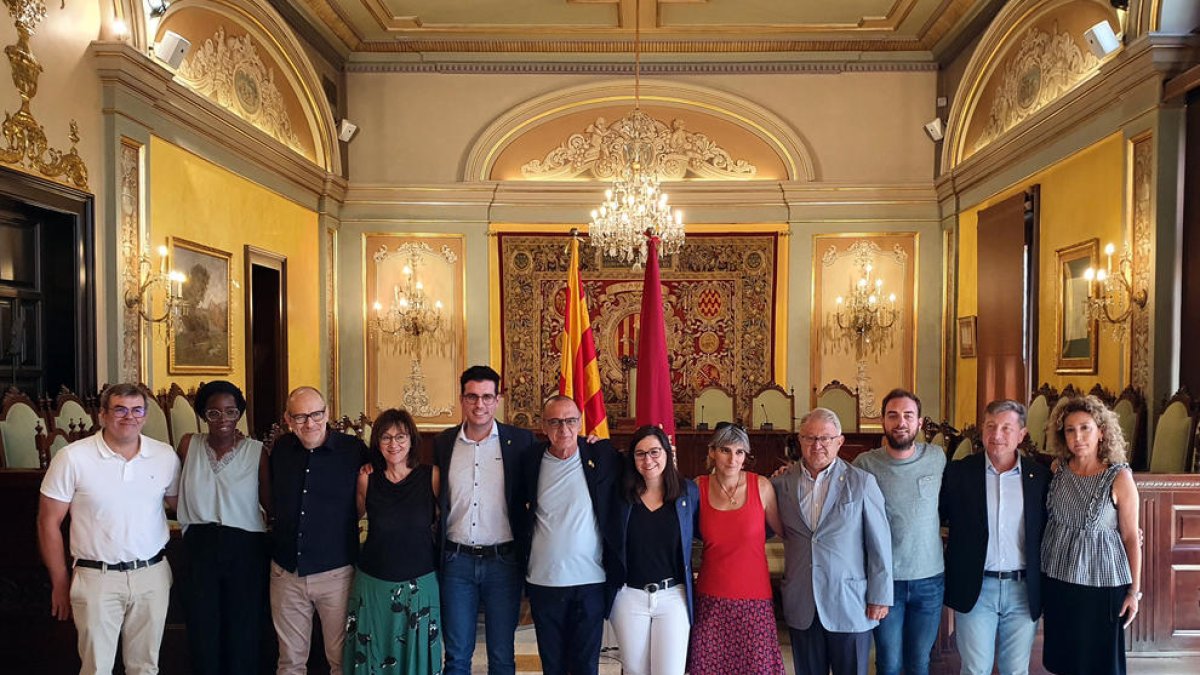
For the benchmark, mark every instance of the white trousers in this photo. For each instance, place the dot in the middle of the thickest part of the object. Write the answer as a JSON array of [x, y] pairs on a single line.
[[652, 630]]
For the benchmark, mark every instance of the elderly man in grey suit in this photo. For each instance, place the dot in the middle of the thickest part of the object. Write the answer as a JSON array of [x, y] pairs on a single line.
[[837, 581]]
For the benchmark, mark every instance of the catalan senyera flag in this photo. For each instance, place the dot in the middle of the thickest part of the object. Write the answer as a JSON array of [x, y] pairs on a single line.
[[654, 405], [579, 377]]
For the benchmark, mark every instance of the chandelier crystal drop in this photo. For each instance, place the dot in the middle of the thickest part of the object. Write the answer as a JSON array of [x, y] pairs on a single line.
[[635, 207]]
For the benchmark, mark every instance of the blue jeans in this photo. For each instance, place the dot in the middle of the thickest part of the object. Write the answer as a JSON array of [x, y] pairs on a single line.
[[904, 639], [998, 625], [466, 581]]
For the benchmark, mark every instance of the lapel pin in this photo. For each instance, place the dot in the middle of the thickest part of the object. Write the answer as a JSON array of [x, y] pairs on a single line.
[[591, 464]]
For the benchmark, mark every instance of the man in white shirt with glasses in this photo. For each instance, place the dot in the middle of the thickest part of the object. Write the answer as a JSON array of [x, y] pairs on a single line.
[[114, 485]]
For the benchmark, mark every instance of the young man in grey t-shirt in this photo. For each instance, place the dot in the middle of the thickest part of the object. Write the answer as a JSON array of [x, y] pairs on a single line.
[[910, 475]]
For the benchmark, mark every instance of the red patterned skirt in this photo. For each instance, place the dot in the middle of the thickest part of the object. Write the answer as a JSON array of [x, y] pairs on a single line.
[[734, 637]]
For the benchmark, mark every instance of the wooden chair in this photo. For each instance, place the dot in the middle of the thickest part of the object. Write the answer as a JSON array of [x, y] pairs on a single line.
[[21, 432], [940, 434], [713, 405], [969, 443], [69, 414], [157, 425], [1130, 408], [51, 443], [183, 416], [365, 425], [842, 401], [1174, 435], [1038, 414], [773, 408], [1070, 391], [1107, 397]]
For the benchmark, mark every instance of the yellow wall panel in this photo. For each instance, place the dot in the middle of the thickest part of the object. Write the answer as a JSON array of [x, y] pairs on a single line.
[[194, 199], [1082, 197]]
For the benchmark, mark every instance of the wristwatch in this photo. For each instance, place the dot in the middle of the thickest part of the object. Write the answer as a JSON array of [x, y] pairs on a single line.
[[1137, 596]]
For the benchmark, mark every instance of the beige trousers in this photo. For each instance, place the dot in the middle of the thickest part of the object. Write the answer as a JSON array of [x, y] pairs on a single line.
[[131, 606], [293, 599]]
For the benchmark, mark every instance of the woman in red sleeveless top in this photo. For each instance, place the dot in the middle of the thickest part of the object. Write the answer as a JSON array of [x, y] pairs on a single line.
[[734, 630]]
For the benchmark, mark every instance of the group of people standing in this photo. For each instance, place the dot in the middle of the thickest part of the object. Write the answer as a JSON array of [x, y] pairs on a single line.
[[589, 533]]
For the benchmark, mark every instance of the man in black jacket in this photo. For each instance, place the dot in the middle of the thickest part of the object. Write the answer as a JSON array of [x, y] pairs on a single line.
[[994, 503], [482, 506]]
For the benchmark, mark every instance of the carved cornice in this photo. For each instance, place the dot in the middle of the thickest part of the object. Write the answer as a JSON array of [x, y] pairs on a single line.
[[691, 68], [26, 145]]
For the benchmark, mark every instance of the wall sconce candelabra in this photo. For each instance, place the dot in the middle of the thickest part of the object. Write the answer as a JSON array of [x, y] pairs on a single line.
[[412, 325], [866, 317], [1111, 296], [140, 291]]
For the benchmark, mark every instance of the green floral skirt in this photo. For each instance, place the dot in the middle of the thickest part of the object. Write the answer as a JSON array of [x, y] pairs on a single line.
[[394, 627]]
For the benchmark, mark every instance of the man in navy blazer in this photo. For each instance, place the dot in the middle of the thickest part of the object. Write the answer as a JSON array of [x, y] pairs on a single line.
[[482, 510], [995, 505], [837, 581], [569, 488]]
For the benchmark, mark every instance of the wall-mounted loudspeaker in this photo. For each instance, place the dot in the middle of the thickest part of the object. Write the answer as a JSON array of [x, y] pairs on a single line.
[[935, 129], [1101, 40], [171, 49], [346, 130]]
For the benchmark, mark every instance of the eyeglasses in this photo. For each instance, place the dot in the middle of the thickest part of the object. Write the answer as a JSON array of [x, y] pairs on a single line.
[[559, 423], [215, 415], [122, 411], [643, 455], [486, 399], [397, 439], [818, 440], [303, 418]]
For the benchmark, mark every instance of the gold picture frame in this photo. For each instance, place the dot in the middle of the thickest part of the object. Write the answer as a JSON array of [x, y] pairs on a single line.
[[201, 343], [1076, 346], [967, 333]]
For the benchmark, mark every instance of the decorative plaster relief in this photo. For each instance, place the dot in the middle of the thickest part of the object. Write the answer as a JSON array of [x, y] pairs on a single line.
[[1143, 189], [131, 247], [1046, 66], [25, 143], [231, 72], [599, 152]]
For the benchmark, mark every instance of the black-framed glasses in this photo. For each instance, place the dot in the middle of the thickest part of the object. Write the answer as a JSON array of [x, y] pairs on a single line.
[[216, 415], [560, 422], [303, 418], [643, 455], [388, 439], [486, 399], [137, 411]]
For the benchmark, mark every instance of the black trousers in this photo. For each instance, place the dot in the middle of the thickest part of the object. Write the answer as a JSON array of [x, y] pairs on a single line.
[[570, 627], [225, 595], [815, 650]]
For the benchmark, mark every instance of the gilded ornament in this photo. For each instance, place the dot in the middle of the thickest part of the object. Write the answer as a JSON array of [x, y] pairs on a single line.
[[25, 142], [601, 151]]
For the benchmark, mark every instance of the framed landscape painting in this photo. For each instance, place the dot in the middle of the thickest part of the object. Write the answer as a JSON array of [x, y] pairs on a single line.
[[1077, 344], [201, 342]]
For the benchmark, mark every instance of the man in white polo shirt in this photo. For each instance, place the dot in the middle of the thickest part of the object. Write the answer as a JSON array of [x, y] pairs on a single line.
[[113, 484]]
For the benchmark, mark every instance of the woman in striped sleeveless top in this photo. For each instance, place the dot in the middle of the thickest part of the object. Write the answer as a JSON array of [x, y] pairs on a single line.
[[1091, 561]]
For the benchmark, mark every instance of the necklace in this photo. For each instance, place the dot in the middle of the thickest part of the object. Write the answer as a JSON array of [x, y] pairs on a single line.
[[730, 493]]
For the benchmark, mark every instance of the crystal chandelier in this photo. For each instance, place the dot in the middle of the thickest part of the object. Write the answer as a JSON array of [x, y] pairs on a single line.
[[635, 207], [412, 324], [866, 318]]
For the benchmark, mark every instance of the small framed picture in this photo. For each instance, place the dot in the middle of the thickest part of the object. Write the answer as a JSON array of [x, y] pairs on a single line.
[[966, 337]]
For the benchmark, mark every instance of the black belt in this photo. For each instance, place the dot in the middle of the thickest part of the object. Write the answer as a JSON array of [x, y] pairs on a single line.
[[1015, 575], [657, 586], [121, 566], [489, 551]]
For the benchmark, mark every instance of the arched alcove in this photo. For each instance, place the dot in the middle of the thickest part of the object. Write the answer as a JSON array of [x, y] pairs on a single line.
[[1032, 55], [711, 135]]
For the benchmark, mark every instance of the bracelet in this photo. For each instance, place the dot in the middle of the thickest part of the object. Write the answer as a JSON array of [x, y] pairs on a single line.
[[1136, 595]]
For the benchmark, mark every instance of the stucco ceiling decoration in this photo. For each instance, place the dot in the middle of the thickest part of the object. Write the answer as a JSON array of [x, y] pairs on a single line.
[[1047, 65], [674, 26], [230, 71], [599, 153]]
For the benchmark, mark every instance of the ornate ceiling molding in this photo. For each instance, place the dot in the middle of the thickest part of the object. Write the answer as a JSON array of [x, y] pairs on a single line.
[[599, 153], [692, 68], [231, 72]]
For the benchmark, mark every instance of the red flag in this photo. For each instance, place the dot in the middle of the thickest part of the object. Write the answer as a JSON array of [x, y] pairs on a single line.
[[579, 377], [654, 404]]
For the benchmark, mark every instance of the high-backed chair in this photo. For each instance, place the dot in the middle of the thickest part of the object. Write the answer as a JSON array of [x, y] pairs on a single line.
[[157, 425], [713, 405], [968, 445], [1038, 414], [1130, 408], [183, 416], [21, 428], [842, 401], [71, 415], [773, 408], [366, 424], [1107, 397], [1174, 435]]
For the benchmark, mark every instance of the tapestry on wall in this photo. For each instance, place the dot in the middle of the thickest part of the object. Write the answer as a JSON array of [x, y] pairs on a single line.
[[719, 294]]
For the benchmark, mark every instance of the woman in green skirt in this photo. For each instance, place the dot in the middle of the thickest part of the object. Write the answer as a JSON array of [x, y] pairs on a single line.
[[394, 619]]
